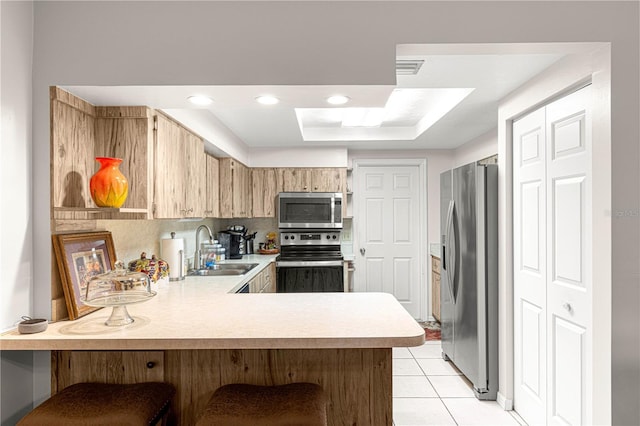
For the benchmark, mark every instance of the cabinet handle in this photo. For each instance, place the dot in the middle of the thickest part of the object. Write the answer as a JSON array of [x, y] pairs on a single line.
[[315, 188], [151, 364], [305, 188]]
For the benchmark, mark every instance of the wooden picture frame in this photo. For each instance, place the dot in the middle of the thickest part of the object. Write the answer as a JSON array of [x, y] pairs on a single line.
[[79, 257]]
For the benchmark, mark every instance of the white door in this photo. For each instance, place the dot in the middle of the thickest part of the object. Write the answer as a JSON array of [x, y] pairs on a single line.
[[569, 259], [552, 309], [529, 269], [389, 253]]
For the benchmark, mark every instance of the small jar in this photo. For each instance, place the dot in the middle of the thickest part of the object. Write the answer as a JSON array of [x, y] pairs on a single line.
[[220, 253]]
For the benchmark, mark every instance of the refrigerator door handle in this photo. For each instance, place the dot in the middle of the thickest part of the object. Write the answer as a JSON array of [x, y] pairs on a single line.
[[452, 251]]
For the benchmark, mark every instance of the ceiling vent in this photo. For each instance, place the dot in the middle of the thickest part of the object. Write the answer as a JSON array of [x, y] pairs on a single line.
[[408, 66]]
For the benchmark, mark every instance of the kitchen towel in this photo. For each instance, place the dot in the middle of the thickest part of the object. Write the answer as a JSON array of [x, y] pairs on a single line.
[[173, 254]]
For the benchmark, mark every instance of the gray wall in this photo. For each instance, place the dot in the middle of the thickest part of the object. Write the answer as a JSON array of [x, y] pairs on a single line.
[[335, 43], [16, 239]]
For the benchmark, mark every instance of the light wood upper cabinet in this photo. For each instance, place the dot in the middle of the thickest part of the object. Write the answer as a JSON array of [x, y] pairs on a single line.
[[295, 180], [180, 171], [196, 176], [331, 179], [266, 186], [80, 132], [235, 189], [212, 195], [328, 180]]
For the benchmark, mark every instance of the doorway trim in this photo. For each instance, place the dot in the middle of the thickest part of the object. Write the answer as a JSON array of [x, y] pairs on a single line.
[[425, 266], [561, 78]]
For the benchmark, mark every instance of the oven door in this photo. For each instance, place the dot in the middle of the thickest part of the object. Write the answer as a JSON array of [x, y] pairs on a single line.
[[309, 276]]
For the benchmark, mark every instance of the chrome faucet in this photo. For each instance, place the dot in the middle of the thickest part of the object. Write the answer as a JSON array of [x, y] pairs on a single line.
[[197, 255]]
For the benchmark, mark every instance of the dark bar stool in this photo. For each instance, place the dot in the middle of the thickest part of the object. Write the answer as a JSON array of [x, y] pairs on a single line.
[[104, 404], [250, 405]]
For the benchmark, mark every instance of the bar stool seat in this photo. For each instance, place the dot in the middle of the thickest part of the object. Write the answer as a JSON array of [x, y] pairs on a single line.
[[250, 405], [104, 404]]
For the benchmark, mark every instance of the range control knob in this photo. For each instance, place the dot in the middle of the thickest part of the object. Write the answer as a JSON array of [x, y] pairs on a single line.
[[334, 237], [293, 237], [286, 237], [328, 236]]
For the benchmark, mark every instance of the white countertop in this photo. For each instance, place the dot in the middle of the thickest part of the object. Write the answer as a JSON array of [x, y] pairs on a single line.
[[200, 313]]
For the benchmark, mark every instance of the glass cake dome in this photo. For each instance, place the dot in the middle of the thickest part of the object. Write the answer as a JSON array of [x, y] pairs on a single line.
[[118, 289]]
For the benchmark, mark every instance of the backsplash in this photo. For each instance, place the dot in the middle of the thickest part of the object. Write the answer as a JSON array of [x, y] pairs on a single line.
[[261, 225], [131, 237]]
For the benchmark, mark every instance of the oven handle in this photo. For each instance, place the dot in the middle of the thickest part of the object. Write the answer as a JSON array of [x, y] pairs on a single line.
[[303, 264]]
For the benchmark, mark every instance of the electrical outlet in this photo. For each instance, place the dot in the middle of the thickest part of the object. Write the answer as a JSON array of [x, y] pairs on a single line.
[[346, 235]]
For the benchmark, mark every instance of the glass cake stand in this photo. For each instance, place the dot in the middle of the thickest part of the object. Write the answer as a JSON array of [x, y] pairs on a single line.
[[118, 289]]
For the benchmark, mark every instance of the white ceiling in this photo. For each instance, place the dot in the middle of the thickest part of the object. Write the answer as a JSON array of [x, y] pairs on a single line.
[[491, 75]]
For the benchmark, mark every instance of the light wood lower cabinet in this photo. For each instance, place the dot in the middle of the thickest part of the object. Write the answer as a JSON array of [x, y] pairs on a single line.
[[357, 382], [265, 281], [435, 287]]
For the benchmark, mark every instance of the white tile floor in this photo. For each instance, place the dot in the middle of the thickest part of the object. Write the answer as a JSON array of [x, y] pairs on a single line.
[[430, 391]]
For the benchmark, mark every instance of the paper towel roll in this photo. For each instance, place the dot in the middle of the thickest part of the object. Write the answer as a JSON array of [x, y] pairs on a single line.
[[173, 254]]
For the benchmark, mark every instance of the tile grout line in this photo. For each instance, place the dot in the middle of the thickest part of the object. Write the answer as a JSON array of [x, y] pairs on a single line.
[[434, 389]]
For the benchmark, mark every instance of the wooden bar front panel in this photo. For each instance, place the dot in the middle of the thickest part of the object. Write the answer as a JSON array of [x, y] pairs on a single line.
[[357, 381]]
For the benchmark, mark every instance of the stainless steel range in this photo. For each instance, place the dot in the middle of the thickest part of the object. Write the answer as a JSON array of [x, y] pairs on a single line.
[[309, 261]]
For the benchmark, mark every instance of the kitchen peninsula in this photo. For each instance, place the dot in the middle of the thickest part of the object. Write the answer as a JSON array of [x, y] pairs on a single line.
[[198, 336]]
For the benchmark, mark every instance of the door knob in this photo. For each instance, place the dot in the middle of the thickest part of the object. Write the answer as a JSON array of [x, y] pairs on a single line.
[[567, 306], [362, 251]]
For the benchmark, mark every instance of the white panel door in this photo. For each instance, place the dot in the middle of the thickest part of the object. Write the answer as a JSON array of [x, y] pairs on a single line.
[[552, 257], [388, 233], [569, 259], [530, 267]]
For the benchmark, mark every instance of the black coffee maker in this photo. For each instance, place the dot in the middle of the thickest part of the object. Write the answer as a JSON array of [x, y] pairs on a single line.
[[233, 242]]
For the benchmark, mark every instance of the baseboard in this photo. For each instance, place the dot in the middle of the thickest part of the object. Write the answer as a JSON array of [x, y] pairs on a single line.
[[506, 404]]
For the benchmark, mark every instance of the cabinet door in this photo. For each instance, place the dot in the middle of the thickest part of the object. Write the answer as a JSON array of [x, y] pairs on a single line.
[[296, 180], [195, 172], [212, 195], [169, 198], [241, 188], [247, 195], [255, 285], [226, 188], [265, 188], [235, 189], [435, 305], [328, 180], [269, 279]]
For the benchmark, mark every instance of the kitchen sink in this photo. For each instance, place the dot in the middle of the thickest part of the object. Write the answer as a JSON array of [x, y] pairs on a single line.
[[222, 269]]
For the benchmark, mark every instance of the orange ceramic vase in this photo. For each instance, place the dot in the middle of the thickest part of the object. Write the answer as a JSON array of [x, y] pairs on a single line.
[[109, 187]]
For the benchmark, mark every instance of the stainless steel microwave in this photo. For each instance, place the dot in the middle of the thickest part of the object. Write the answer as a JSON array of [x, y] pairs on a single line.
[[309, 210]]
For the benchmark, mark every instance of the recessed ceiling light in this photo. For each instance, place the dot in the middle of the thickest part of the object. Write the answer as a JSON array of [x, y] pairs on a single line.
[[200, 100], [338, 99], [267, 100]]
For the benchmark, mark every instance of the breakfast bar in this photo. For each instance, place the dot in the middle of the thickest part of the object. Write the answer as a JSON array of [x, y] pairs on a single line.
[[197, 337]]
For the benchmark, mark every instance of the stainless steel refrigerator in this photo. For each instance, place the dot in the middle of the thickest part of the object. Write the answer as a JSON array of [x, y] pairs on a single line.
[[469, 276]]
